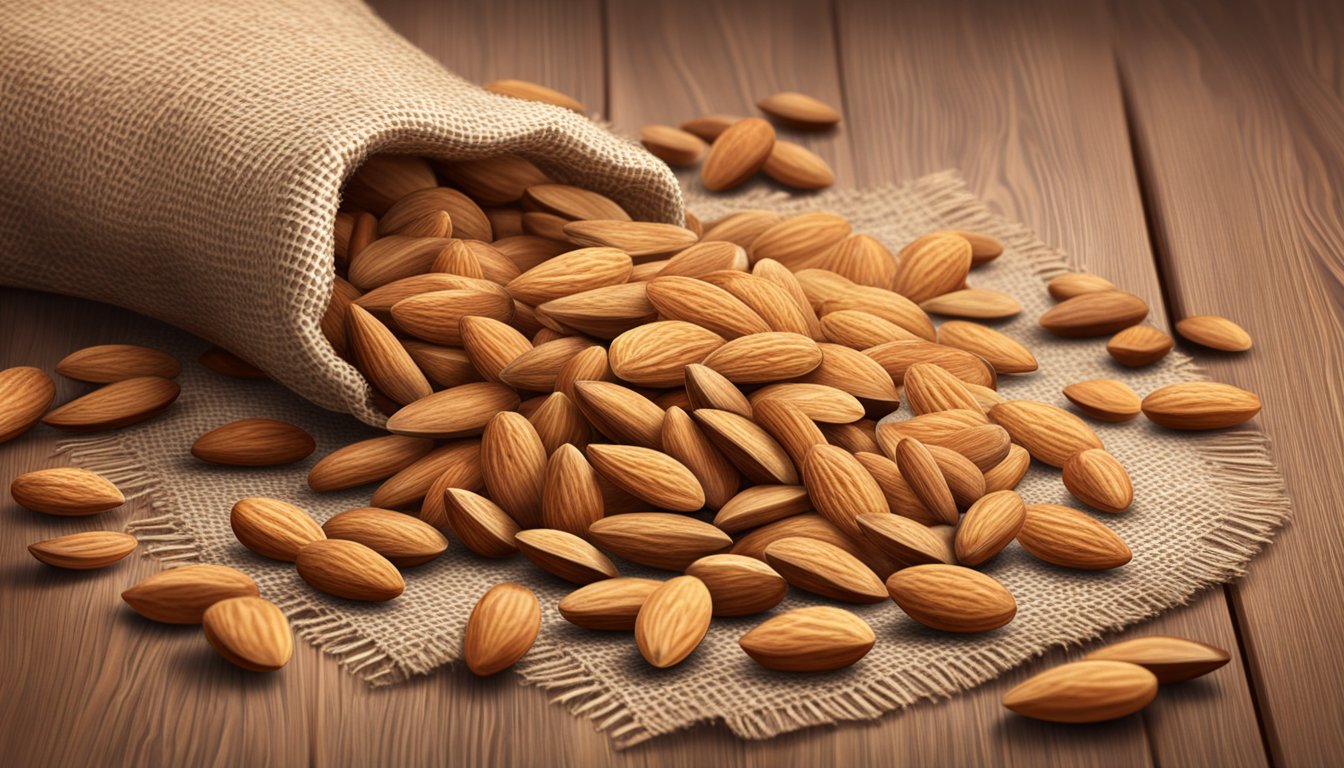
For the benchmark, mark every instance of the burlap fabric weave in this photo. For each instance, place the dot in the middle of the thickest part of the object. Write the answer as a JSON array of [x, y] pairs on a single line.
[[184, 159], [1205, 503]]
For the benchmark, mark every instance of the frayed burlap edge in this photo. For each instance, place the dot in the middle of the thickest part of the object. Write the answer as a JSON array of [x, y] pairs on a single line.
[[1238, 462]]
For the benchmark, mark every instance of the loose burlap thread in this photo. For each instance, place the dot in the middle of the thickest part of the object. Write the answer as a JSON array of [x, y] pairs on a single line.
[[1204, 504]]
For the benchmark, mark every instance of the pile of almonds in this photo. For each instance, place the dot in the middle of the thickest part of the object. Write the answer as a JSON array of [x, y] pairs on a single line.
[[568, 383]]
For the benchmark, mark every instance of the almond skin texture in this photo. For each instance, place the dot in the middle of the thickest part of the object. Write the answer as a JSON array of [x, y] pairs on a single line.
[[249, 632], [513, 465], [1171, 659], [863, 259], [116, 405], [455, 464], [818, 638], [985, 446], [478, 523], [455, 412], [930, 388], [350, 570], [1213, 332], [897, 357], [765, 357], [1104, 399], [988, 526], [658, 539], [737, 154], [490, 344], [706, 305], [1049, 433], [1005, 475], [254, 443], [273, 528], [932, 265], [862, 330], [437, 316], [761, 504], [1139, 345], [401, 538], [636, 238], [650, 475], [571, 498], [539, 368], [921, 471], [572, 202], [973, 303], [1097, 479], [1084, 692], [565, 555], [573, 272], [820, 402], [809, 526], [84, 551], [65, 491], [789, 425], [739, 585], [367, 461], [673, 621], [25, 394], [656, 354], [620, 413], [1000, 351], [182, 595], [610, 604], [749, 447], [107, 363], [825, 569], [798, 110], [707, 388], [841, 489], [1200, 405], [904, 539], [383, 359], [686, 442], [501, 629], [1066, 537], [952, 598], [1094, 314]]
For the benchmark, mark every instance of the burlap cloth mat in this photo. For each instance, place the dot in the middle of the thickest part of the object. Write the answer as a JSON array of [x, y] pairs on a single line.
[[1205, 503]]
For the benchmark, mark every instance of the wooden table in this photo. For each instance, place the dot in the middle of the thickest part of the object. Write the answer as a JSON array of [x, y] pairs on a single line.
[[1193, 152]]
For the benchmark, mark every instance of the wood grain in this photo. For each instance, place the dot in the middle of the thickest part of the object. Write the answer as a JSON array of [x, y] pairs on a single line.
[[1243, 159]]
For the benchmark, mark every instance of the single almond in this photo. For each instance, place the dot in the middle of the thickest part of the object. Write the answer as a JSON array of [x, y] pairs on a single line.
[[1067, 286], [379, 301], [537, 369], [84, 551], [459, 259], [905, 540], [501, 629], [985, 445], [1197, 405], [65, 491], [707, 388], [366, 461], [571, 497], [825, 569], [529, 91], [841, 488], [1094, 314], [673, 620], [973, 303], [490, 345], [798, 110], [932, 265], [739, 585], [384, 179], [818, 402], [794, 165], [762, 504], [404, 540], [495, 180], [1170, 659], [928, 428], [705, 257], [455, 412], [589, 364], [900, 497], [565, 555], [637, 238], [559, 421], [249, 632], [574, 272], [855, 438], [604, 312], [610, 604], [817, 638], [513, 466], [350, 570], [705, 305], [801, 241], [1097, 479], [478, 523], [673, 146], [851, 371], [780, 275], [650, 475], [861, 258], [107, 363], [749, 447], [25, 394], [182, 595], [737, 154], [963, 478], [620, 413], [436, 316], [790, 426], [273, 528], [862, 330], [381, 357], [455, 464], [392, 258], [465, 219], [897, 357], [1049, 433], [767, 299], [742, 227], [930, 388], [988, 526], [765, 357], [709, 127], [984, 248], [952, 598], [254, 443], [1005, 475], [1210, 331], [683, 440], [115, 405], [999, 350], [1104, 399], [1084, 692], [658, 539], [1139, 345], [921, 471], [572, 202], [656, 354], [1066, 537]]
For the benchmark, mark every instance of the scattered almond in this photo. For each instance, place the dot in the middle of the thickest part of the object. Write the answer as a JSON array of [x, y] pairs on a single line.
[[273, 528], [673, 146], [658, 539], [401, 538], [119, 404], [1139, 345], [989, 525], [952, 598], [1104, 399], [1097, 479], [1214, 332], [65, 491], [817, 638], [1084, 692], [563, 554], [1200, 405], [673, 620], [181, 595], [350, 570], [609, 604], [798, 110], [25, 394], [1066, 537], [737, 154], [825, 569], [1049, 433], [1094, 314], [501, 629], [254, 443], [84, 551], [249, 632], [739, 585], [1171, 659]]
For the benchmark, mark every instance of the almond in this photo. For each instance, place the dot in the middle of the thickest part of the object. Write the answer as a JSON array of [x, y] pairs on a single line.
[[538, 368], [1139, 345], [182, 595], [930, 428], [570, 273], [571, 497], [455, 412], [445, 367], [1067, 286], [404, 540], [739, 585], [513, 466], [621, 413], [780, 275], [1094, 314], [706, 305], [765, 357], [706, 257], [862, 259], [1084, 692], [658, 539], [896, 357], [25, 394], [861, 330], [494, 265], [709, 127], [432, 224], [963, 478], [761, 504], [856, 438], [1008, 473], [932, 265], [495, 180], [254, 443], [605, 312], [249, 632], [116, 405], [900, 497], [332, 325], [825, 569], [707, 388], [770, 301], [657, 354], [65, 491], [273, 528], [1050, 434], [790, 427], [985, 445], [749, 447], [672, 145], [1104, 399], [742, 227], [1211, 331], [1200, 405], [650, 475], [350, 570], [984, 248], [1097, 479], [459, 259], [637, 238], [468, 220], [817, 402], [366, 461], [590, 364], [952, 598], [921, 471], [905, 540], [929, 388], [988, 526], [380, 300], [529, 91], [572, 202], [565, 555], [673, 620], [973, 303], [501, 629], [794, 165], [383, 359], [798, 110], [392, 258], [817, 638], [384, 179], [435, 316], [840, 488], [558, 421], [684, 441], [455, 464], [810, 526], [1003, 353], [107, 363], [1170, 659], [1066, 537], [737, 154], [84, 551], [855, 373], [609, 604], [800, 241], [478, 523]]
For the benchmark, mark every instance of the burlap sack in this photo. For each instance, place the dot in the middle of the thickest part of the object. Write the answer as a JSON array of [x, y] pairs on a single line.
[[184, 159]]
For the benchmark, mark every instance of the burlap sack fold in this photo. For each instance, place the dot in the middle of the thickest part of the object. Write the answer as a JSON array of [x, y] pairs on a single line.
[[184, 159]]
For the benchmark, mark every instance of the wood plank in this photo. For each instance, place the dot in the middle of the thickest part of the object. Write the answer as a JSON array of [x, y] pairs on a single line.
[[1024, 100], [1243, 160]]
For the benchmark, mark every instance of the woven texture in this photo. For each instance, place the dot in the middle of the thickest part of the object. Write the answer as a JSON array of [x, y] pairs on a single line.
[[1205, 503], [184, 159]]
